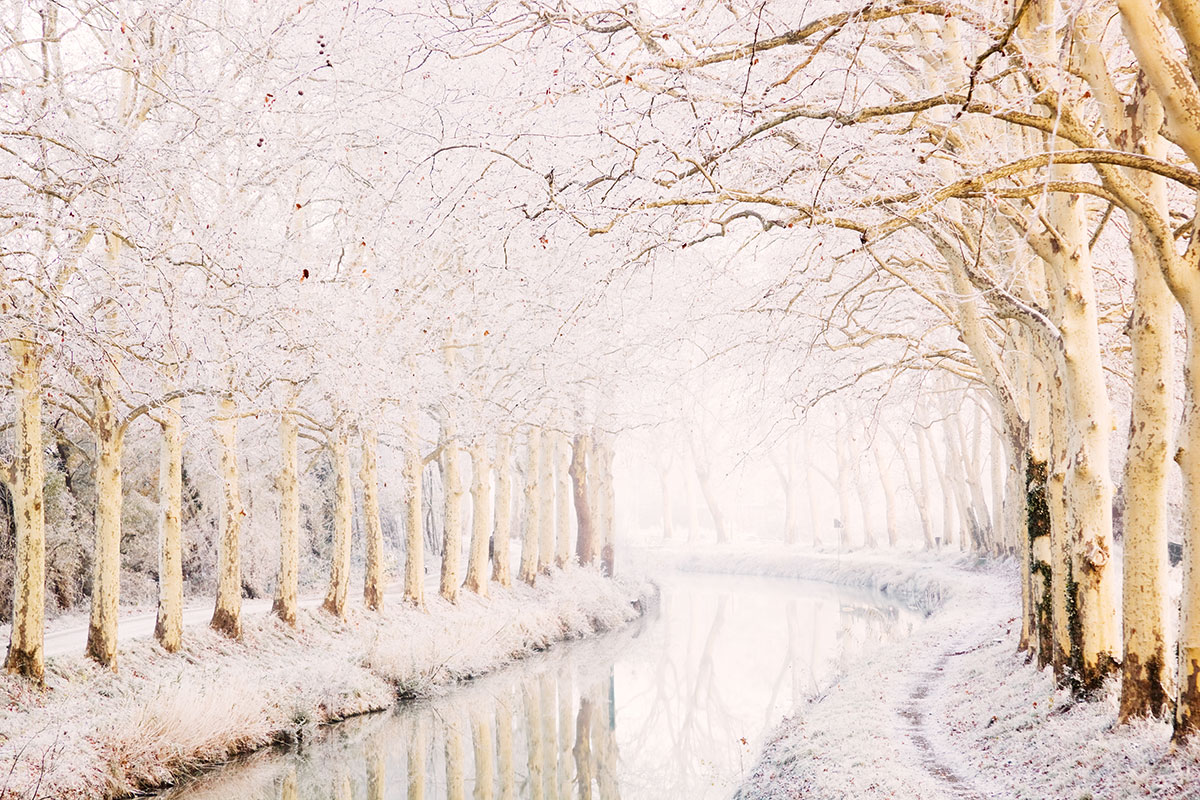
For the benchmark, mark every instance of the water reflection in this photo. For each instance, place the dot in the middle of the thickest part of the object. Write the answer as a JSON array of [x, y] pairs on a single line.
[[673, 707]]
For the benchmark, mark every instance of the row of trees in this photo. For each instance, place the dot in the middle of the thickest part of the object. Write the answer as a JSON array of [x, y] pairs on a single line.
[[846, 480], [1000, 192], [213, 212], [560, 474]]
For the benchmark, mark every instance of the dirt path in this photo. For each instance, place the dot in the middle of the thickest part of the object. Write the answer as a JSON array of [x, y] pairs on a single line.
[[915, 726]]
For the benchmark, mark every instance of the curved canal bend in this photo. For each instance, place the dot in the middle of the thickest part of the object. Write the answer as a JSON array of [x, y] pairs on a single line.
[[677, 705]]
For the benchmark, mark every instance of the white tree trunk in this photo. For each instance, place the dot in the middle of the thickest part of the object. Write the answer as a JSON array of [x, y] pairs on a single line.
[[343, 522], [606, 499], [843, 486], [25, 645], [1145, 664], [414, 539], [288, 483], [1003, 532], [585, 548], [106, 566], [501, 560], [703, 478], [546, 487], [168, 627], [925, 497], [1187, 709], [452, 485], [368, 473], [481, 518], [1088, 486], [889, 496], [562, 498], [227, 615], [533, 506]]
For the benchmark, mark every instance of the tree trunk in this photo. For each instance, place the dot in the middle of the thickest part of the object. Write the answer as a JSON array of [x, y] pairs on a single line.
[[168, 627], [998, 463], [606, 497], [1145, 671], [1088, 486], [414, 533], [343, 522], [373, 585], [533, 507], [501, 559], [923, 460], [452, 534], [227, 615], [889, 497], [585, 543], [26, 639], [546, 488], [814, 514], [843, 487], [710, 498], [288, 483], [106, 580], [562, 498], [1060, 655], [481, 519], [948, 504], [1187, 706]]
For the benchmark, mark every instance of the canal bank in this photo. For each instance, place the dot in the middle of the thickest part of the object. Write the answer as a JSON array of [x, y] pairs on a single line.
[[670, 707], [955, 711], [92, 733]]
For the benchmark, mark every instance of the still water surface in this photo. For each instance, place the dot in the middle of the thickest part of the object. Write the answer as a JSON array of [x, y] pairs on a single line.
[[674, 707]]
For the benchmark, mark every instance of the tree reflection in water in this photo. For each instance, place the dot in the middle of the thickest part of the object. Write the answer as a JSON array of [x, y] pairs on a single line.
[[674, 706]]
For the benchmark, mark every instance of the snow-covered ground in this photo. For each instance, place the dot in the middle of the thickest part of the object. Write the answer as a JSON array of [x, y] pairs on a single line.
[[93, 733], [955, 711]]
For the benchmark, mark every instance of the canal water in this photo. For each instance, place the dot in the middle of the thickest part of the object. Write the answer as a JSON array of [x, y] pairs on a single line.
[[674, 707]]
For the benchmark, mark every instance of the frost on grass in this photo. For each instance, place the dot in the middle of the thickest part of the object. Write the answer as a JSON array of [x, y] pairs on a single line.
[[92, 733], [920, 581], [955, 711]]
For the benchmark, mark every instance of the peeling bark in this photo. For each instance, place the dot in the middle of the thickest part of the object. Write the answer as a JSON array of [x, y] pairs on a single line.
[[106, 566], [585, 542], [168, 626], [481, 519], [373, 584], [26, 639], [452, 532], [562, 498], [501, 559], [227, 615], [533, 507], [343, 520], [285, 603], [414, 538]]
